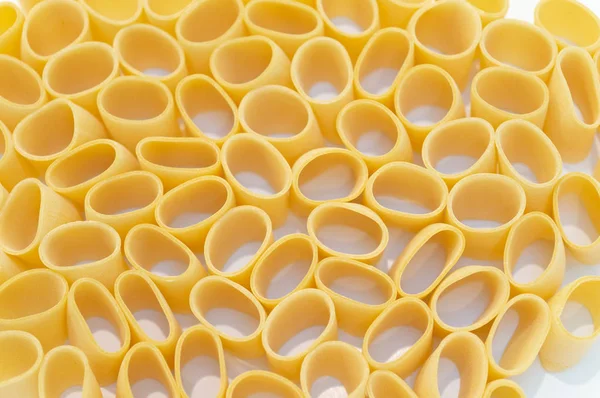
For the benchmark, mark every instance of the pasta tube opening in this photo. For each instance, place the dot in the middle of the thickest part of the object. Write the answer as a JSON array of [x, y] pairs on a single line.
[[383, 382], [165, 14], [490, 10], [107, 17], [67, 368], [13, 168], [22, 356], [503, 389], [11, 27], [260, 382]]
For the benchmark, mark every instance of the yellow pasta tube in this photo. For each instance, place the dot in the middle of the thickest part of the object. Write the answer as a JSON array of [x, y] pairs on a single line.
[[79, 72], [9, 267], [137, 294], [564, 349], [447, 34], [13, 168], [406, 195], [356, 307], [66, 368], [22, 356], [77, 171], [108, 17], [397, 13], [21, 90], [91, 303], [258, 174], [530, 229], [72, 126], [385, 58], [525, 343], [35, 301], [407, 315], [383, 383], [261, 382], [495, 282], [205, 25], [144, 361], [171, 265], [51, 26], [504, 93], [322, 74], [124, 201], [30, 212], [503, 389], [283, 118], [165, 14], [11, 28], [213, 298], [287, 23], [467, 353], [426, 86], [467, 137], [289, 319], [497, 200], [351, 22], [84, 249], [490, 10], [574, 109], [518, 44], [133, 108], [340, 361], [295, 253], [199, 344]]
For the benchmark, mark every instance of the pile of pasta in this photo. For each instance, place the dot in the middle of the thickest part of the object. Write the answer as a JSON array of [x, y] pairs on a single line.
[[130, 128]]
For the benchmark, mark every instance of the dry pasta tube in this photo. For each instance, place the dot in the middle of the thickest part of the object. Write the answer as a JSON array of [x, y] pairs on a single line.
[[10, 29], [66, 367], [351, 22], [72, 126], [196, 344], [383, 383], [287, 23], [205, 25], [79, 72], [467, 137], [206, 109], [326, 174], [77, 171], [13, 168], [35, 301], [215, 295], [22, 356], [490, 10], [529, 229], [574, 109], [51, 26], [289, 319], [397, 13], [3, 196], [247, 157], [563, 349], [84, 249], [356, 307], [385, 58], [403, 315], [135, 292], [522, 143], [498, 200], [443, 237], [91, 303], [570, 22], [363, 120], [189, 211], [467, 353], [261, 382], [144, 361], [597, 60], [422, 87], [406, 195], [283, 118], [165, 14], [496, 284], [322, 74], [171, 265], [502, 93], [226, 237], [21, 90], [145, 50], [587, 191], [447, 34], [340, 361], [348, 218], [526, 341], [124, 201], [9, 267], [30, 212], [108, 17], [295, 253], [518, 44], [503, 389]]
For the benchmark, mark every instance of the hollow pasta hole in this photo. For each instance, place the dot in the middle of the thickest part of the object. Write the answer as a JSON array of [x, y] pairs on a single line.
[[455, 164], [504, 334], [156, 72], [153, 323], [525, 172], [105, 334], [170, 267], [533, 261], [328, 387], [402, 204], [346, 239], [73, 392], [374, 143], [333, 182], [214, 124], [426, 115], [201, 377], [464, 304], [323, 91], [448, 379], [577, 319], [359, 289], [231, 322], [149, 388], [286, 280], [379, 81], [301, 341], [575, 219], [393, 343], [347, 25], [255, 183], [189, 218], [424, 268]]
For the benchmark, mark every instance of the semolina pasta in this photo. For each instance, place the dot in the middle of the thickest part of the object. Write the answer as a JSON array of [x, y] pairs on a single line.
[[490, 10], [383, 382], [397, 13], [503, 389], [9, 267], [108, 17], [11, 26], [262, 382], [165, 14], [13, 168], [22, 353]]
